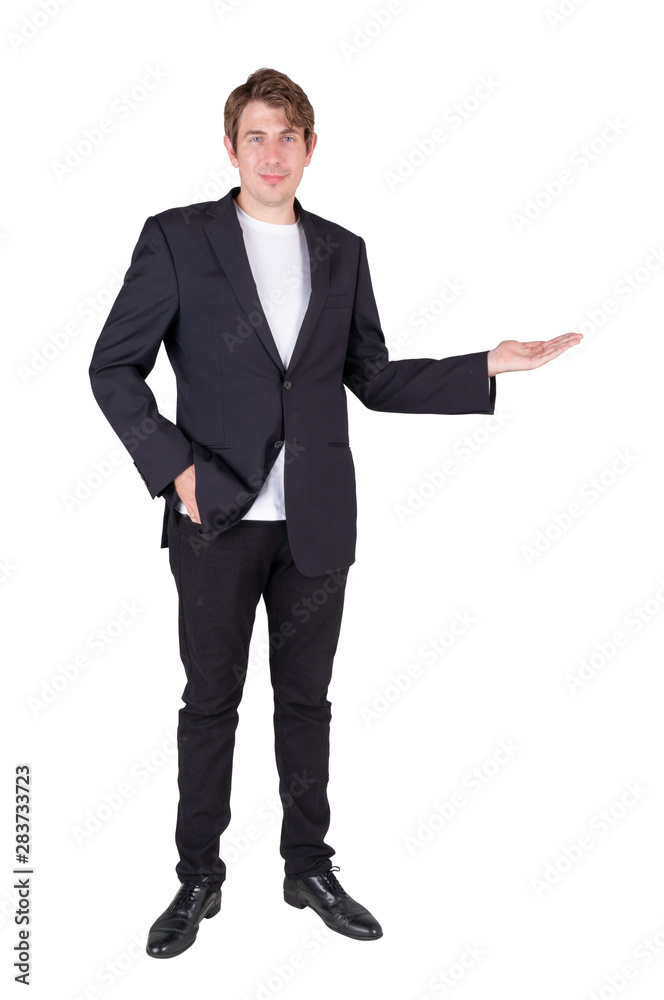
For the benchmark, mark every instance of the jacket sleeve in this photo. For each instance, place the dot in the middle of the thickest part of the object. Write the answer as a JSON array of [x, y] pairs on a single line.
[[420, 385], [125, 354]]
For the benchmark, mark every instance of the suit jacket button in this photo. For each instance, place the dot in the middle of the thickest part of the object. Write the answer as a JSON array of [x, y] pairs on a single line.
[[287, 384], [278, 444]]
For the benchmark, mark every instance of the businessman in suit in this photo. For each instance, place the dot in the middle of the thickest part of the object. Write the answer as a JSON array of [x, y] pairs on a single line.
[[267, 315]]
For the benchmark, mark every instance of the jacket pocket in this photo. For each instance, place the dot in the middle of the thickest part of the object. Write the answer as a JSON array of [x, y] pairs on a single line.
[[342, 301]]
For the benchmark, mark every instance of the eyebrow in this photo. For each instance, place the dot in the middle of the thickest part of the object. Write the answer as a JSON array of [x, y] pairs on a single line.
[[258, 131]]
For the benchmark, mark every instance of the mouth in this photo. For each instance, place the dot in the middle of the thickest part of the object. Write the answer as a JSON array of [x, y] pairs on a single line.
[[272, 178]]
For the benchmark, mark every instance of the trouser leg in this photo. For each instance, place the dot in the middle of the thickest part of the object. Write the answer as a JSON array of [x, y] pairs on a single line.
[[219, 586], [304, 619]]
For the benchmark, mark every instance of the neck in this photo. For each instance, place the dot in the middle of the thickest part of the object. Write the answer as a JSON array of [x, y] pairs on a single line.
[[281, 215]]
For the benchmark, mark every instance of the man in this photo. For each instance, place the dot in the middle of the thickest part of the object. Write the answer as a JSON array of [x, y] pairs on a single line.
[[266, 312]]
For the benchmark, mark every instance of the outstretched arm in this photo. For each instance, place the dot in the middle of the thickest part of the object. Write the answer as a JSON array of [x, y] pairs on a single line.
[[460, 384]]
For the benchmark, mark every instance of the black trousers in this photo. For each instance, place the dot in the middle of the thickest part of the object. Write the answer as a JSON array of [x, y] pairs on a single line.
[[219, 586]]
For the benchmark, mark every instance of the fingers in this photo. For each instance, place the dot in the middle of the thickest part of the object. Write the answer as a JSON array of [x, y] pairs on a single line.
[[549, 349], [552, 350], [559, 344], [565, 340]]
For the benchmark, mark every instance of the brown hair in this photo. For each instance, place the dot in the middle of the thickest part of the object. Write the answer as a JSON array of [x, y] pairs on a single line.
[[279, 91]]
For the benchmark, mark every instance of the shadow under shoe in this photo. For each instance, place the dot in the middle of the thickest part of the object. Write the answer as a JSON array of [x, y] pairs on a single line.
[[334, 906], [176, 928]]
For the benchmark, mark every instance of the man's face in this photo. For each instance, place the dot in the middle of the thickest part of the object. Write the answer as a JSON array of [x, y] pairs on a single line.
[[270, 154]]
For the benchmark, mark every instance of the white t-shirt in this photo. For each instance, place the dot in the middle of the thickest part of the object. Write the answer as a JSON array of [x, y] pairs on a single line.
[[279, 261]]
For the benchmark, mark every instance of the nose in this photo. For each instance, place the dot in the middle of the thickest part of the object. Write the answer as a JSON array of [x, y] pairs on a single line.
[[271, 151]]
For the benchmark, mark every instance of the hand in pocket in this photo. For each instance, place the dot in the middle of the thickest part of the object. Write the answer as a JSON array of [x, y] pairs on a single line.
[[185, 487]]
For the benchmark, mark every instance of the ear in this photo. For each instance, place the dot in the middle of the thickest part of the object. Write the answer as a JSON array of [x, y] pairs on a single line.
[[230, 151], [314, 140]]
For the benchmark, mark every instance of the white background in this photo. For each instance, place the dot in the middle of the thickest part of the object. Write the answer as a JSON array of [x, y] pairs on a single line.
[[494, 876]]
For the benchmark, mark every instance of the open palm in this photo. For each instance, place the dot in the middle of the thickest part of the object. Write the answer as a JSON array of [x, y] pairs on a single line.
[[517, 356]]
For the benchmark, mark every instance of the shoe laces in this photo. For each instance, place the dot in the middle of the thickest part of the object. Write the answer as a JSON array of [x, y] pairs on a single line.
[[332, 881], [186, 894]]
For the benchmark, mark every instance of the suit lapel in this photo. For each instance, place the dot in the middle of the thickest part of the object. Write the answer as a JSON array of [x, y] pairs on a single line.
[[225, 234], [319, 265]]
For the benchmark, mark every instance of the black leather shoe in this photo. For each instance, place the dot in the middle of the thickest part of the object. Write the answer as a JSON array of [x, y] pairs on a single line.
[[176, 929], [334, 906]]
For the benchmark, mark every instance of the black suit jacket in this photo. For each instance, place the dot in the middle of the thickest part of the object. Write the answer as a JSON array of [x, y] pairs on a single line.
[[190, 287]]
